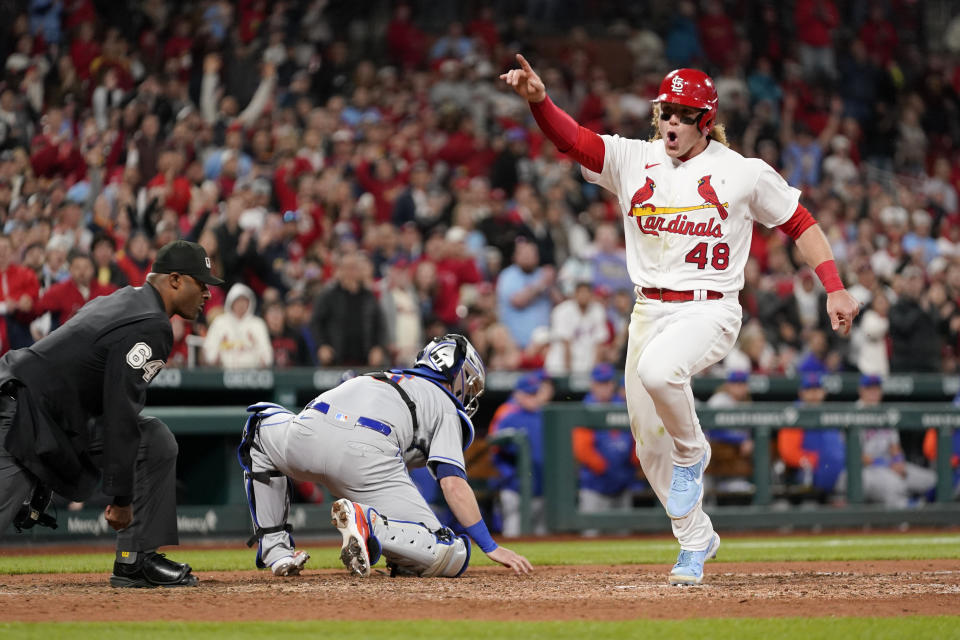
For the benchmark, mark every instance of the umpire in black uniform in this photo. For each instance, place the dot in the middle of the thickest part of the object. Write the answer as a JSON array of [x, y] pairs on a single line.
[[70, 414]]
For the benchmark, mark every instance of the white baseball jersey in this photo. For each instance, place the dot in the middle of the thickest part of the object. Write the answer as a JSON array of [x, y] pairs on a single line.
[[688, 225], [583, 330]]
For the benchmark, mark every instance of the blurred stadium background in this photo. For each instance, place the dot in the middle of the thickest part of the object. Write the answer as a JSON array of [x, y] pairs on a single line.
[[358, 173]]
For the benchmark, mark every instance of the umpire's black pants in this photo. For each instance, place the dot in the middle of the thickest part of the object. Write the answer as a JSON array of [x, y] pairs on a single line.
[[16, 483], [154, 494], [154, 488]]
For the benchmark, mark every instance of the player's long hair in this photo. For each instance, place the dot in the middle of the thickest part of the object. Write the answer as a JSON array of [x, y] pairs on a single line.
[[718, 132]]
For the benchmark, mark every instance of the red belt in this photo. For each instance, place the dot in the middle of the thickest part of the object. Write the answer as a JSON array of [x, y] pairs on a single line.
[[668, 295]]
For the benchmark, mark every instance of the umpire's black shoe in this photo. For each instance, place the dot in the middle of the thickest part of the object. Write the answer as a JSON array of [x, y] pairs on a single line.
[[152, 570]]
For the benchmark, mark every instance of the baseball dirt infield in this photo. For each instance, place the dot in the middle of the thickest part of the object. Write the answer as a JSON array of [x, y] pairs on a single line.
[[849, 588]]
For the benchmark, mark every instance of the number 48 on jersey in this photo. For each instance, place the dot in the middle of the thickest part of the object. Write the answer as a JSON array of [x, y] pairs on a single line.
[[718, 256]]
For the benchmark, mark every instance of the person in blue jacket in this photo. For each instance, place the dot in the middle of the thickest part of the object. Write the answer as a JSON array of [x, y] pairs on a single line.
[[607, 458], [816, 457], [522, 412]]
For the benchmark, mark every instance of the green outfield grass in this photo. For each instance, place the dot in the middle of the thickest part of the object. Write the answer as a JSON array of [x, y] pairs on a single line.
[[600, 552], [938, 628]]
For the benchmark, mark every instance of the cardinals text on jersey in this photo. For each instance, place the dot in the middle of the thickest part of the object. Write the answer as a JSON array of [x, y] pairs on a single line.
[[688, 225]]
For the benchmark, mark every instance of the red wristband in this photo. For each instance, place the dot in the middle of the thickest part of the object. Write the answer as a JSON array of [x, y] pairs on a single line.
[[829, 276]]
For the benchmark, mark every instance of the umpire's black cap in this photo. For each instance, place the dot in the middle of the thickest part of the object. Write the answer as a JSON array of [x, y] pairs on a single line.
[[185, 257]]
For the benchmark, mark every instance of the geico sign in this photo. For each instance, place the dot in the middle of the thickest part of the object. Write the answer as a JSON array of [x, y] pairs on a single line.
[[248, 379]]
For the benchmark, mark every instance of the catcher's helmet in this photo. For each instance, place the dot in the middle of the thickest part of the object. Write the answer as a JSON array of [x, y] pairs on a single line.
[[455, 359], [691, 88]]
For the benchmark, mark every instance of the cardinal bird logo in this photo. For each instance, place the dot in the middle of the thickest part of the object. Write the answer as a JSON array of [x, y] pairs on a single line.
[[707, 193], [643, 194]]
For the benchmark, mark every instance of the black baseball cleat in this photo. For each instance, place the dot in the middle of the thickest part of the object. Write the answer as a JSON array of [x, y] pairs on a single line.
[[152, 570]]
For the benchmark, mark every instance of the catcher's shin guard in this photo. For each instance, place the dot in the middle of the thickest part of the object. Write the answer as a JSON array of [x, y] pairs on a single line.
[[412, 549], [268, 490]]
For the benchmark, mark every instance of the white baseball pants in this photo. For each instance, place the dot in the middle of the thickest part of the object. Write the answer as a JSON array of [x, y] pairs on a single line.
[[668, 343]]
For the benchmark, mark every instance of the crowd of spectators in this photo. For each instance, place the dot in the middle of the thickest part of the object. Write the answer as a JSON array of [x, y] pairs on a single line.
[[360, 176]]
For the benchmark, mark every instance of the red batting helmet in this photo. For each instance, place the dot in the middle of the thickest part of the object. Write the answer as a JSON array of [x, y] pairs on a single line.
[[691, 88]]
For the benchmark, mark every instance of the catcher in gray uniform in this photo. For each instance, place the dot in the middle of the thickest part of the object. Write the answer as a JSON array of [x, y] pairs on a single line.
[[358, 440]]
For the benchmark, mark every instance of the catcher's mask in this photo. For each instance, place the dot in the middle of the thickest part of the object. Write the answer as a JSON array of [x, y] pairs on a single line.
[[454, 358]]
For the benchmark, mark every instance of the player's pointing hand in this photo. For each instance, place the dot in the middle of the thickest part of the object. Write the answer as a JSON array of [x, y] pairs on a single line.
[[842, 308], [525, 81]]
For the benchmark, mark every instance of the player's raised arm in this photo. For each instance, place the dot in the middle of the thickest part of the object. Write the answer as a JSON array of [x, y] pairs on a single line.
[[463, 504], [570, 138]]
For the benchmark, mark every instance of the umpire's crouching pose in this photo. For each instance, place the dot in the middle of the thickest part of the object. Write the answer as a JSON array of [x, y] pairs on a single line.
[[70, 409]]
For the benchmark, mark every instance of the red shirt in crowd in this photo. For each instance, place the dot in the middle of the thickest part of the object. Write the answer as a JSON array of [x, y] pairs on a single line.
[[446, 297], [62, 159], [405, 42], [816, 20], [308, 234], [285, 181], [178, 196], [15, 282], [458, 149], [452, 272], [77, 12], [177, 46], [384, 191], [486, 30], [463, 269], [719, 39], [880, 39], [64, 299], [83, 54], [136, 274], [251, 18]]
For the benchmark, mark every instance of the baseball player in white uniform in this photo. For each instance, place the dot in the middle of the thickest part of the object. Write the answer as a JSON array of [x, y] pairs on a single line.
[[689, 204], [358, 440]]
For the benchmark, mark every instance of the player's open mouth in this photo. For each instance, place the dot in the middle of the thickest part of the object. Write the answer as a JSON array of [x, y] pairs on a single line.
[[671, 136]]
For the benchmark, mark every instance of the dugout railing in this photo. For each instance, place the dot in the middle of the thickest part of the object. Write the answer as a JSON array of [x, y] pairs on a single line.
[[560, 468]]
